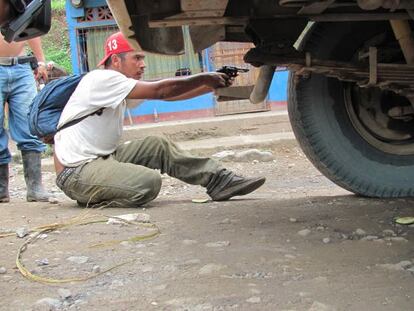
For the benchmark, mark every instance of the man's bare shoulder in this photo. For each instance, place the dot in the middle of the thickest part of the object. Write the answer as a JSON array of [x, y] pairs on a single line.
[[11, 49]]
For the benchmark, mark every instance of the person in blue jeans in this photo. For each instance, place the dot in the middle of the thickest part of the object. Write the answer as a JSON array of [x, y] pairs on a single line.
[[18, 88]]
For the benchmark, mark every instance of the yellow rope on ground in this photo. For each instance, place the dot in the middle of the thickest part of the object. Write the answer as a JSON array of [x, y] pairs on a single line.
[[38, 278], [83, 218], [5, 235]]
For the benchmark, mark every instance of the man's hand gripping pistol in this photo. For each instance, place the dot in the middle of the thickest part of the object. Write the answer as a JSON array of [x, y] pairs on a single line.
[[232, 71]]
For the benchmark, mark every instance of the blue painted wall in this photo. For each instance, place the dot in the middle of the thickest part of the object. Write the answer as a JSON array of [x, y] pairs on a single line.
[[278, 88], [205, 101]]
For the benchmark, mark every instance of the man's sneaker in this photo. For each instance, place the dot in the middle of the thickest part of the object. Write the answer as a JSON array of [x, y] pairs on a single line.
[[225, 185]]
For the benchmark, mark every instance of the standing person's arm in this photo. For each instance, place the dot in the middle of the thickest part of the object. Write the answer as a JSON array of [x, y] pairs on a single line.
[[36, 47]]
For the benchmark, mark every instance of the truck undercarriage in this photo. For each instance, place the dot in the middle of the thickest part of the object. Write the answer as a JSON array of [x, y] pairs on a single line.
[[351, 88]]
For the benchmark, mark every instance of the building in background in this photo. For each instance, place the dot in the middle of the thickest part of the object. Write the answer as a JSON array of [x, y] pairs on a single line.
[[92, 22]]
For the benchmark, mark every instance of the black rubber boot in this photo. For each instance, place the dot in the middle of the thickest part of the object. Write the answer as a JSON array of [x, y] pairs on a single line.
[[4, 183], [225, 184], [33, 177]]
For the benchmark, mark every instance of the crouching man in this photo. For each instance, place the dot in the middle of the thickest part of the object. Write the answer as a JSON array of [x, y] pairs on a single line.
[[91, 167]]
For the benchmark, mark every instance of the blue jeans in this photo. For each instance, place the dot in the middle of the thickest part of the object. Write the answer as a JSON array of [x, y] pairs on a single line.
[[17, 88]]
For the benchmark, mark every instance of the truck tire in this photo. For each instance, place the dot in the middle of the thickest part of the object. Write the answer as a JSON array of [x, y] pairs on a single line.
[[368, 153]]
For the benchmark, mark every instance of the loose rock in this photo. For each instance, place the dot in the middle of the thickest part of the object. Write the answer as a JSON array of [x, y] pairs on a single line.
[[53, 200], [253, 154], [405, 264], [126, 244], [78, 259], [210, 268], [370, 238], [47, 304], [79, 302], [189, 242], [134, 217], [398, 239], [318, 306], [226, 155], [42, 262], [254, 299], [304, 232], [64, 293], [160, 287], [22, 232], [360, 232], [116, 283], [42, 236], [402, 265], [147, 268], [388, 232], [225, 221], [3, 270], [218, 244]]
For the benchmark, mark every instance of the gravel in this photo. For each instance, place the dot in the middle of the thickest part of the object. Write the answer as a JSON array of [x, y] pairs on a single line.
[[360, 232]]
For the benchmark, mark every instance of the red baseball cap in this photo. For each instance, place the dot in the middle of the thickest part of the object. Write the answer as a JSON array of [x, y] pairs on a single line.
[[115, 44]]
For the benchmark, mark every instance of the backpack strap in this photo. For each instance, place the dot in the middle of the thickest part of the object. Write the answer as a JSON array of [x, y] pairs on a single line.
[[73, 122]]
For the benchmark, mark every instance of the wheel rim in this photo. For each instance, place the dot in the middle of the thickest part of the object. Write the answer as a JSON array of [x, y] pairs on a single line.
[[372, 113]]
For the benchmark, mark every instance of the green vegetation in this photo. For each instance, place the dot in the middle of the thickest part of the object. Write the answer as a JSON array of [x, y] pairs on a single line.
[[56, 43], [58, 5]]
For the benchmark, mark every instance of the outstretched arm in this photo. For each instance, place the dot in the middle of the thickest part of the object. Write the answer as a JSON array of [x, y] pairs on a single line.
[[192, 93], [180, 88]]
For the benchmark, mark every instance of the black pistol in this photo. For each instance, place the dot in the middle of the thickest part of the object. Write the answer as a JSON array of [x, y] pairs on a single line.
[[232, 71]]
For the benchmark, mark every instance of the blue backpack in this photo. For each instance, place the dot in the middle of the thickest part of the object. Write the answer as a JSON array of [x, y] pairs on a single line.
[[47, 106]]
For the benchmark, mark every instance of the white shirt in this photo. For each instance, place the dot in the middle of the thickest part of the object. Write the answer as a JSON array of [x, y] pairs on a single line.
[[95, 135]]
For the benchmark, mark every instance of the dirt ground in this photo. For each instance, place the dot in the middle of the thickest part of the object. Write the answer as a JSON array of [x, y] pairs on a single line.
[[298, 243]]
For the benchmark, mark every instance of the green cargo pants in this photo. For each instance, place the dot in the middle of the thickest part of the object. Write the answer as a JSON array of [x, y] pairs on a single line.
[[128, 178]]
